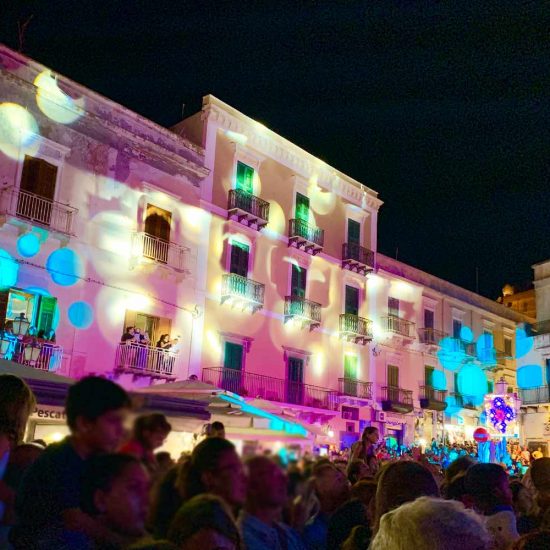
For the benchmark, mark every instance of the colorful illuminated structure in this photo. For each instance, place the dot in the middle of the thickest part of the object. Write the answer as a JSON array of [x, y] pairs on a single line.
[[258, 260]]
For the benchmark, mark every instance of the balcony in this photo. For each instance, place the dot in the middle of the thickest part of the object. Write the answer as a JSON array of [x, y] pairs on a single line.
[[238, 290], [355, 388], [432, 399], [140, 360], [355, 329], [248, 384], [305, 237], [397, 326], [303, 311], [147, 249], [247, 209], [396, 399], [535, 396], [430, 337], [41, 355], [357, 258], [462, 401], [28, 208]]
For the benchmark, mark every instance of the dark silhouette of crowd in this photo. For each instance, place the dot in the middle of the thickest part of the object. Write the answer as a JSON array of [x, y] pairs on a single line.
[[103, 489]]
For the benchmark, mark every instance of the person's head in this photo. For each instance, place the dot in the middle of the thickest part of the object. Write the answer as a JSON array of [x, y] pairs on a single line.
[[16, 405], [130, 330], [356, 470], [96, 409], [8, 327], [431, 524], [204, 522], [214, 467], [370, 435], [486, 486], [165, 338], [461, 464], [164, 460], [522, 498], [331, 487], [217, 429], [267, 484], [401, 482], [455, 489], [151, 430], [115, 490]]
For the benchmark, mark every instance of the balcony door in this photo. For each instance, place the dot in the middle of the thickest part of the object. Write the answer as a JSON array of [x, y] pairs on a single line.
[[352, 300], [350, 375], [428, 381], [295, 381], [232, 367], [393, 306], [240, 254], [245, 178], [393, 383], [457, 328], [157, 233], [37, 190], [354, 238], [302, 208]]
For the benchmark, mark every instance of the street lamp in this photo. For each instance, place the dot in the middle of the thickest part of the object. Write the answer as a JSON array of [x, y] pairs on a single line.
[[20, 325]]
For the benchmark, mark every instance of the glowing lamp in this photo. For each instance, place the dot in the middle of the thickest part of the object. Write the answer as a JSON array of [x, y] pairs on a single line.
[[20, 325], [481, 435]]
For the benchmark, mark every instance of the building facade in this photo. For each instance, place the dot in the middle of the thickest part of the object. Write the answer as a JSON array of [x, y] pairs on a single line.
[[302, 312]]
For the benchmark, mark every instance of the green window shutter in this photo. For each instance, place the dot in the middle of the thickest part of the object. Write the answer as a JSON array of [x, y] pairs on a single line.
[[393, 376], [298, 282], [233, 356], [239, 258], [354, 230], [350, 367], [245, 178], [428, 375], [456, 382], [4, 296], [490, 386], [46, 312], [352, 300], [302, 207]]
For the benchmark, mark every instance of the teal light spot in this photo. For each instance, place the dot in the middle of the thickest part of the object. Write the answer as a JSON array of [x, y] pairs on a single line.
[[529, 376], [524, 343], [81, 315], [64, 267], [439, 380], [472, 381], [9, 270], [450, 354], [28, 245], [466, 334]]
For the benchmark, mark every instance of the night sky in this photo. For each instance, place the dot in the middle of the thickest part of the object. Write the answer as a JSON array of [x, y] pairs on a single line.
[[441, 107]]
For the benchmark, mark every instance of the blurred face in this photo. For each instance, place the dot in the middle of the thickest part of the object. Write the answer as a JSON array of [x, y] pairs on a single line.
[[228, 479], [267, 485], [124, 506], [373, 437], [105, 433], [208, 539], [155, 439], [333, 487]]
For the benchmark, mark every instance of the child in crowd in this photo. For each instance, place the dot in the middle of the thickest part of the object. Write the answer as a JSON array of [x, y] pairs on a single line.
[[48, 502]]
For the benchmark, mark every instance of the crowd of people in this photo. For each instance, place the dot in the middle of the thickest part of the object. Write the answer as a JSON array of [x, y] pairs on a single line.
[[103, 488]]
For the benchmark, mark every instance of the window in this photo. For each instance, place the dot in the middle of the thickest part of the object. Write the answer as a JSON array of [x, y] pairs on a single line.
[[245, 178], [295, 380], [233, 356], [393, 376], [302, 207], [39, 310], [393, 306], [352, 300], [490, 386], [350, 413], [455, 378], [457, 328], [354, 232], [154, 326], [508, 346], [428, 318], [298, 282], [428, 375], [239, 259], [350, 367], [157, 222], [46, 313]]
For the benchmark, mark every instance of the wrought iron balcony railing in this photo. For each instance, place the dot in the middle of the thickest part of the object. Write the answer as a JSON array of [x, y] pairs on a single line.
[[355, 328], [302, 310], [37, 210], [248, 384], [534, 396], [247, 207], [430, 336], [147, 247], [396, 399], [397, 325], [355, 388], [40, 355], [464, 401], [242, 290], [357, 258], [303, 235], [432, 399], [141, 360]]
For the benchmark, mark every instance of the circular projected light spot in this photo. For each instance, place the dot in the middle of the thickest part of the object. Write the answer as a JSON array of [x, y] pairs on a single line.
[[466, 334], [18, 130], [28, 245], [439, 380], [472, 381], [529, 376], [9, 270], [64, 267], [524, 343], [452, 407], [450, 353], [81, 315]]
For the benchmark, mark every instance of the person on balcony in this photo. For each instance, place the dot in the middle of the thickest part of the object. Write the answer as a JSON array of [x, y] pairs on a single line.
[[164, 342], [128, 336]]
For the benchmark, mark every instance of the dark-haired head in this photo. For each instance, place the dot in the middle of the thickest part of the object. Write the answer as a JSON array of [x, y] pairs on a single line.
[[205, 521], [461, 464], [151, 430], [96, 409], [16, 405], [486, 487], [214, 467], [115, 489]]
